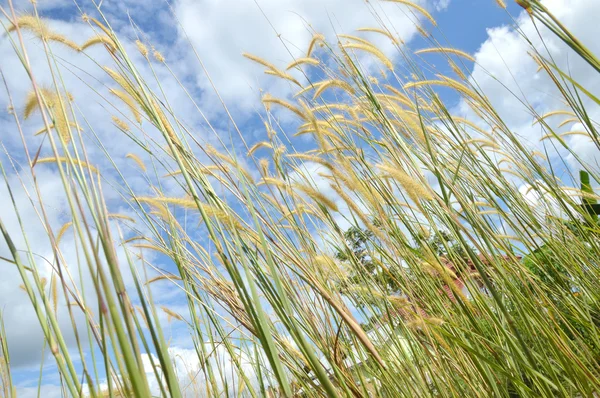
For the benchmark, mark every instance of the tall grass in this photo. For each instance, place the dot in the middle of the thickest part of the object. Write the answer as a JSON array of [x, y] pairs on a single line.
[[263, 285]]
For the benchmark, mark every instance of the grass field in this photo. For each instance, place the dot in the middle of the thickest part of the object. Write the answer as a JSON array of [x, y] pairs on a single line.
[[377, 239]]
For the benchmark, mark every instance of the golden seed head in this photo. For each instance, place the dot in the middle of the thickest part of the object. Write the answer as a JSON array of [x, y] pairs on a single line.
[[158, 56], [142, 48], [120, 123]]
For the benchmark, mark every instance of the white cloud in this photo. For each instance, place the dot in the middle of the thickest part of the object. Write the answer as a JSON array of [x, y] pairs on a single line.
[[279, 31], [188, 369], [507, 74], [47, 391]]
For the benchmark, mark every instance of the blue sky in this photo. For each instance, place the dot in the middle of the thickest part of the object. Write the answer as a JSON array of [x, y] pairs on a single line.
[[220, 31]]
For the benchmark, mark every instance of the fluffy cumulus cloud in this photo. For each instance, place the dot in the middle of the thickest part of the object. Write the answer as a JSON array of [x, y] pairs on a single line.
[[278, 31], [508, 75]]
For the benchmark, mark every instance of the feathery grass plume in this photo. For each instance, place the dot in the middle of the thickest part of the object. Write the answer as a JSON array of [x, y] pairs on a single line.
[[294, 352], [446, 50], [372, 50], [261, 61], [158, 56], [415, 189], [283, 75], [317, 196], [315, 39], [330, 265], [403, 97], [101, 26], [311, 158], [129, 101], [583, 133], [358, 212], [61, 123], [171, 314], [40, 28], [62, 231], [31, 103], [367, 293], [162, 211], [390, 99], [169, 277], [258, 145], [210, 169], [133, 239], [182, 202], [462, 120], [553, 135], [311, 86], [32, 23], [268, 100], [122, 125], [434, 268], [123, 82], [333, 83], [446, 82], [63, 159], [510, 171], [137, 160], [383, 32], [408, 122], [298, 211], [141, 313], [416, 7], [456, 69], [553, 113], [100, 39], [142, 48], [44, 130], [356, 39], [483, 142], [398, 301], [329, 108], [58, 38], [422, 323], [270, 132], [229, 160], [166, 124], [303, 61], [151, 247], [263, 166], [273, 181], [422, 31], [224, 217], [501, 3], [490, 212], [120, 217], [54, 292], [568, 121], [312, 127]]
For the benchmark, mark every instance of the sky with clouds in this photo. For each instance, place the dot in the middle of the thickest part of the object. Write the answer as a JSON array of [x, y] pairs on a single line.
[[202, 41]]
